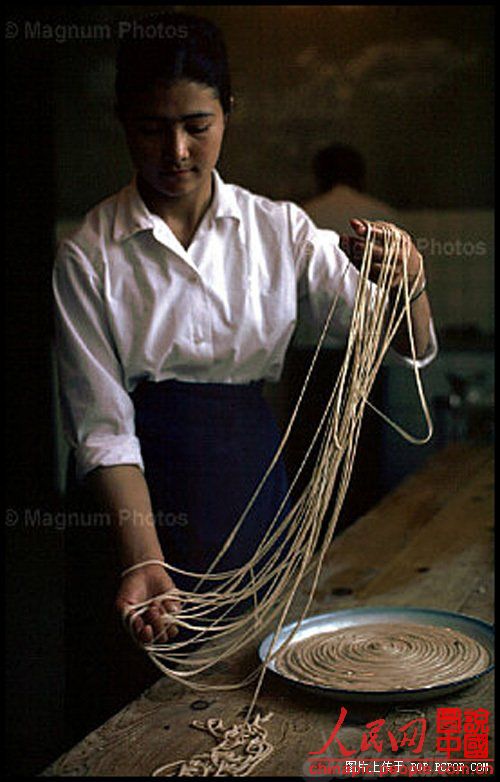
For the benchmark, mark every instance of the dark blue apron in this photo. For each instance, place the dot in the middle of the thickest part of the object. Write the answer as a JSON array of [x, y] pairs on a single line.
[[205, 449]]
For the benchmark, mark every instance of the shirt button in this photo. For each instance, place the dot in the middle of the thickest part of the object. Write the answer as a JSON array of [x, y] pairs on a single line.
[[193, 278]]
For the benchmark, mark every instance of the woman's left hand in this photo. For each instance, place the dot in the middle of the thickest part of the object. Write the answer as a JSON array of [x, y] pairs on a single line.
[[354, 247]]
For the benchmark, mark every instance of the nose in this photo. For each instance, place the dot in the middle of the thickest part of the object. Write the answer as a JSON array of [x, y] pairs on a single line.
[[176, 147]]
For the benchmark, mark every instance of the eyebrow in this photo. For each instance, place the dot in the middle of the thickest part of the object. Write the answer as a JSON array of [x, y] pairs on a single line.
[[181, 118]]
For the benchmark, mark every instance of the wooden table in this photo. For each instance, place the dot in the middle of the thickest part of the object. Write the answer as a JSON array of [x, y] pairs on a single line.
[[427, 544]]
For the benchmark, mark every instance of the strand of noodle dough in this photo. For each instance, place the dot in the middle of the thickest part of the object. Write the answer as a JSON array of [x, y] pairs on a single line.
[[286, 555]]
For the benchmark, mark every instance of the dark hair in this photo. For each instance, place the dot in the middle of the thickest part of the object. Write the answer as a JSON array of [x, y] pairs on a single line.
[[169, 47], [339, 164]]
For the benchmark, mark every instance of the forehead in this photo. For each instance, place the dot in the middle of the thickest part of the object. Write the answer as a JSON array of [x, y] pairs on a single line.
[[175, 100]]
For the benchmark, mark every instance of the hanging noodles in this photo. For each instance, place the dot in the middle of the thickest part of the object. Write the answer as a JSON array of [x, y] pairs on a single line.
[[287, 553]]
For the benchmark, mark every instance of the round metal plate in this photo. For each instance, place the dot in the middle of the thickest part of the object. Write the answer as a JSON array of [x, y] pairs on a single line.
[[468, 625]]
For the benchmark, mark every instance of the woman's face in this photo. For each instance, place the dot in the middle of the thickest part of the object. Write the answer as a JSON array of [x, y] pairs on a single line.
[[174, 134]]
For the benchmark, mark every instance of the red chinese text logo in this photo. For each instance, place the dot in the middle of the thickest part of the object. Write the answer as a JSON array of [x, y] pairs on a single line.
[[464, 732], [413, 736]]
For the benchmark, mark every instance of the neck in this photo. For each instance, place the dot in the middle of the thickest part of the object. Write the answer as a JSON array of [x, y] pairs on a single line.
[[182, 214]]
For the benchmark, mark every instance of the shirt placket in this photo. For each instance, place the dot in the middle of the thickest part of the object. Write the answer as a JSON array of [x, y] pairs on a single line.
[[201, 323], [199, 317]]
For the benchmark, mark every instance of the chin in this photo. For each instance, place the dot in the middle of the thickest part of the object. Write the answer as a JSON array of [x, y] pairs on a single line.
[[167, 189], [173, 186], [172, 192]]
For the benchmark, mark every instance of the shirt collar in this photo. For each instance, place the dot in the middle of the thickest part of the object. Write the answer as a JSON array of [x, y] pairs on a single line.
[[224, 202], [132, 214]]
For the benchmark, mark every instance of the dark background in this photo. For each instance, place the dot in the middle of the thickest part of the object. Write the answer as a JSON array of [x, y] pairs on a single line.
[[410, 86]]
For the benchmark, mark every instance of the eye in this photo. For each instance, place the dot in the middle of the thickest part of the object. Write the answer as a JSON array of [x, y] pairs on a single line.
[[196, 130]]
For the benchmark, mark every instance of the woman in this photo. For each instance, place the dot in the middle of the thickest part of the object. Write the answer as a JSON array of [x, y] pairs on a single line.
[[175, 299]]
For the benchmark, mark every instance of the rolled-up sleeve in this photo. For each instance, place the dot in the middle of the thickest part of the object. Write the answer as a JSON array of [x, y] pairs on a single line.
[[325, 274], [97, 412], [430, 354]]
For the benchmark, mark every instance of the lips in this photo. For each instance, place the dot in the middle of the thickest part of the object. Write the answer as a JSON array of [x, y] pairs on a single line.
[[176, 172]]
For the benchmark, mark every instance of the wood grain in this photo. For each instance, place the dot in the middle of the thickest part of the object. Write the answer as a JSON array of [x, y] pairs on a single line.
[[427, 544]]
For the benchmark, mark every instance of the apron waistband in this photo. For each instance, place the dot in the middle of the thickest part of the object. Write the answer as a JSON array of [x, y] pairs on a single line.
[[214, 390]]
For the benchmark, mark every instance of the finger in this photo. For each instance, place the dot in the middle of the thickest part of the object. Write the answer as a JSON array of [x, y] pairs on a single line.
[[379, 232], [379, 262], [172, 609], [173, 631], [163, 627], [127, 617], [146, 635], [377, 270], [137, 625], [377, 255], [154, 633], [359, 226], [172, 606], [142, 631], [152, 611], [154, 619], [355, 249], [124, 609], [352, 246], [344, 243]]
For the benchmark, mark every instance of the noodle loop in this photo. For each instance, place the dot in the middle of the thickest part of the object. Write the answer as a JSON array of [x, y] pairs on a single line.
[[384, 657]]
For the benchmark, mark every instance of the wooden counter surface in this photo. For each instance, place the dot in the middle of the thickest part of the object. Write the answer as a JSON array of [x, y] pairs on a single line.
[[429, 544]]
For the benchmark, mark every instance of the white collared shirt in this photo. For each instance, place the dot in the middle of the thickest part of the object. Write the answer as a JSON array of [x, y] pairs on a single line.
[[133, 304]]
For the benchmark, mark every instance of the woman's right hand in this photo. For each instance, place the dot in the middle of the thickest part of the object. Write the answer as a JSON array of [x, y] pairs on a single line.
[[141, 585]]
